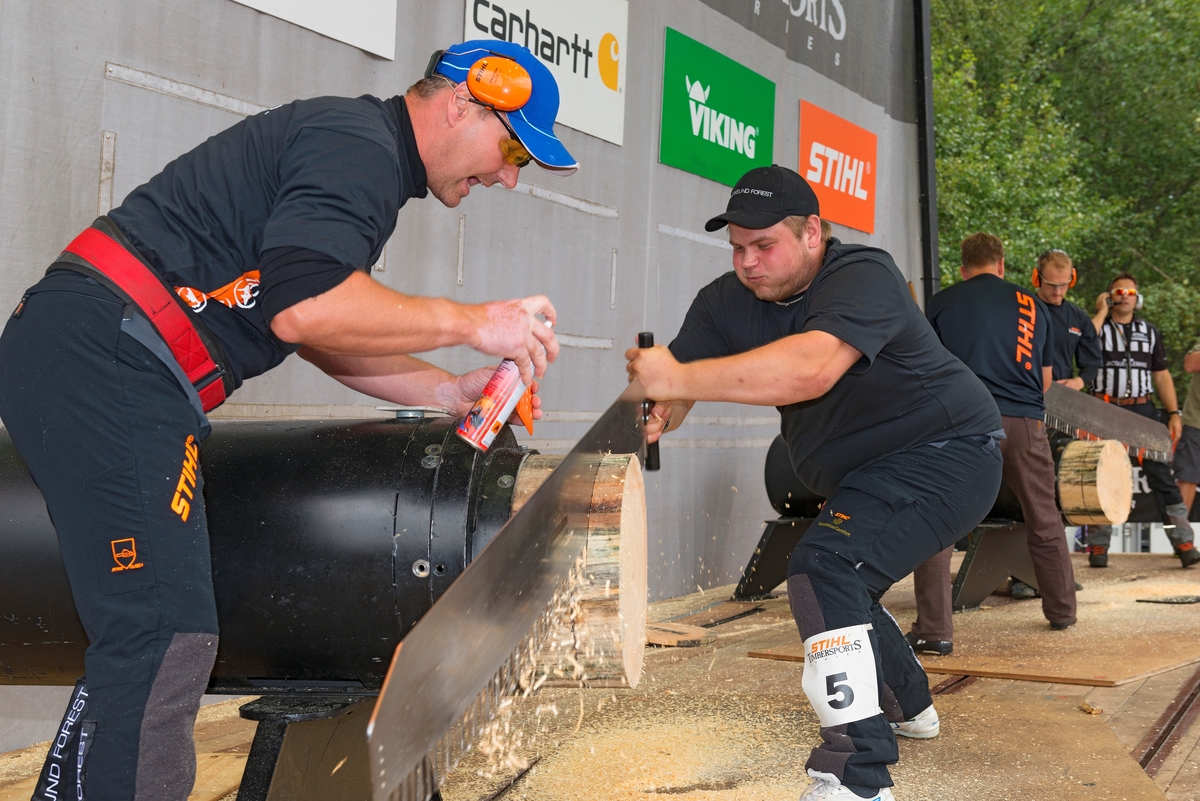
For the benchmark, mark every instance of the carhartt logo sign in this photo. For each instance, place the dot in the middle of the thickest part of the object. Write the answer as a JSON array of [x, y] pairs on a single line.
[[581, 43], [718, 116], [837, 158]]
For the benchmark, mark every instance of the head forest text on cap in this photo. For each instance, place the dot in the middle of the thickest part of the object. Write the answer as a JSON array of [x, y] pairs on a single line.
[[533, 123], [766, 196]]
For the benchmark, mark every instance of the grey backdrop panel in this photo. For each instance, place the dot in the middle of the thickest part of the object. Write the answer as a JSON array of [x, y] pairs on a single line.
[[58, 103]]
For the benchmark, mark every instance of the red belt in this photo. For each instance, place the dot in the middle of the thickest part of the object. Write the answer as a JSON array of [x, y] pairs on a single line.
[[145, 289]]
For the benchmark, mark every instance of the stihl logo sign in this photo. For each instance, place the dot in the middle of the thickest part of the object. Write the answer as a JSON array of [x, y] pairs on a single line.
[[839, 160]]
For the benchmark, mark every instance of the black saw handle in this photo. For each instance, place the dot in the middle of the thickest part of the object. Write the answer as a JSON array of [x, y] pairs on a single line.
[[646, 340]]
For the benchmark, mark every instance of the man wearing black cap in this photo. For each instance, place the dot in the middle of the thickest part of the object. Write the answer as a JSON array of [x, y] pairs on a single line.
[[255, 245], [880, 419]]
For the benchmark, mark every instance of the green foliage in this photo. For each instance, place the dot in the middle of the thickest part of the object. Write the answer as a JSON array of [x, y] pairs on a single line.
[[1076, 125]]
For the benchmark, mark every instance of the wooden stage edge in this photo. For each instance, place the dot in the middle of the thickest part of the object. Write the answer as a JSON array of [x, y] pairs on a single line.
[[792, 653]]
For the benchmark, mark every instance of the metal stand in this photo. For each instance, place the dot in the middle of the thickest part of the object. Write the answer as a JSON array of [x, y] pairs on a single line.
[[997, 550], [767, 568], [302, 733]]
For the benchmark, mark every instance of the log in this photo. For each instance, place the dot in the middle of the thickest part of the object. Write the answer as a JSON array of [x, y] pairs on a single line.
[[1095, 483], [607, 627], [1116, 475]]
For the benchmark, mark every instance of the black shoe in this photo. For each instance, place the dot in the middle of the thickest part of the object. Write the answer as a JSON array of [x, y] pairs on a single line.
[[1060, 625], [1098, 556], [1188, 554], [937, 647]]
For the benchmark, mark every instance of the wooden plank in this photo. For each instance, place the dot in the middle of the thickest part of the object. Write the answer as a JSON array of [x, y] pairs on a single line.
[[721, 613], [217, 775], [788, 653], [999, 669], [19, 791], [678, 635], [1051, 676]]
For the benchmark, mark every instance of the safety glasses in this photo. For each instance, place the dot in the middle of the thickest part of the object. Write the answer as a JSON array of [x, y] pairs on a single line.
[[1124, 293], [514, 152]]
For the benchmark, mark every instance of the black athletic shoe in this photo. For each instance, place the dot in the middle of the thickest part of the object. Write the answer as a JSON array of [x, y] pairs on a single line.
[[1098, 555], [1188, 554], [937, 647], [1059, 625]]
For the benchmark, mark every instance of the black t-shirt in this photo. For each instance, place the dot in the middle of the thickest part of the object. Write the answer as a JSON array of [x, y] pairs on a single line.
[[905, 391], [1074, 342], [278, 208], [1002, 332]]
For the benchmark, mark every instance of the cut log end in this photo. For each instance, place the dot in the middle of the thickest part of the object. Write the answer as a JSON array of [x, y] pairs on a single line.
[[609, 631], [1095, 483]]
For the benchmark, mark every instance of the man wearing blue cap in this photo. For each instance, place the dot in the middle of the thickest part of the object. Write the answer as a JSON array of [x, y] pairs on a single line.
[[895, 433], [256, 244]]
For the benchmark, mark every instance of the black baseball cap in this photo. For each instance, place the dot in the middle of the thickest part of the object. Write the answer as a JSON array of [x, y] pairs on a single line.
[[765, 196]]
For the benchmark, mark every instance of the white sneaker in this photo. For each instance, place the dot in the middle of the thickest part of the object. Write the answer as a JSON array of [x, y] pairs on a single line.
[[925, 726], [826, 787]]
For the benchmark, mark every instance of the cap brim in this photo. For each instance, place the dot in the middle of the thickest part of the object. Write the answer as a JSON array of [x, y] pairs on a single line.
[[746, 219], [544, 146]]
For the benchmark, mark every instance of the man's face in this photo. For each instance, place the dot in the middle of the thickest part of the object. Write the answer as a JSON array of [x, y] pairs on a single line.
[[1123, 304], [470, 155], [1055, 282], [774, 263]]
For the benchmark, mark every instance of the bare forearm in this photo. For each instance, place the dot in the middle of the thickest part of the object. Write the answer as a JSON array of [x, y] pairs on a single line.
[[361, 317], [1164, 385], [1191, 362], [789, 370], [397, 379]]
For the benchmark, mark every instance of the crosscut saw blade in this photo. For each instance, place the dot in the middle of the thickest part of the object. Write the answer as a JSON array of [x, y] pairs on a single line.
[[456, 663], [1085, 417]]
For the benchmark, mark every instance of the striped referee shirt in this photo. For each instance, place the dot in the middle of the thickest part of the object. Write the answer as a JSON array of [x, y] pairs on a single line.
[[1131, 353]]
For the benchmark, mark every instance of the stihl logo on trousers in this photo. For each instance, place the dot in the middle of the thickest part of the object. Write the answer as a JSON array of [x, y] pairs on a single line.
[[185, 489], [125, 554]]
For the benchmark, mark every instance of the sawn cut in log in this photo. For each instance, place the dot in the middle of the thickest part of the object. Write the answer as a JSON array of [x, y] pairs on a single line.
[[482, 636]]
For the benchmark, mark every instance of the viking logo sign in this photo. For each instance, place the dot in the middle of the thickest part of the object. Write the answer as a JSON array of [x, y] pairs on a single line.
[[125, 555], [718, 116]]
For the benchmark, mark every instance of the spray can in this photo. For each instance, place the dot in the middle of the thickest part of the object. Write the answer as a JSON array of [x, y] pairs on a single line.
[[505, 391]]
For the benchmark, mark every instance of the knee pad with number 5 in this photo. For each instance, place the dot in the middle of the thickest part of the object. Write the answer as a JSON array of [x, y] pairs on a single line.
[[839, 675]]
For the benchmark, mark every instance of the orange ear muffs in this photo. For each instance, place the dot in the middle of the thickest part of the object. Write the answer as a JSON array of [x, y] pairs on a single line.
[[499, 83], [1036, 279]]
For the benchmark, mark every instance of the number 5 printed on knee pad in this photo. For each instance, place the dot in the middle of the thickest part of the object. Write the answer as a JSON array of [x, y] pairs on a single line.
[[839, 675]]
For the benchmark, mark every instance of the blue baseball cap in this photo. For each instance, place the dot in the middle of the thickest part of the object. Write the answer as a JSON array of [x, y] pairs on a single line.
[[533, 123]]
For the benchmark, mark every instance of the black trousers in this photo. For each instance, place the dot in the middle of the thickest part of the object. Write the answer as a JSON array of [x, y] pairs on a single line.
[[884, 521], [113, 443]]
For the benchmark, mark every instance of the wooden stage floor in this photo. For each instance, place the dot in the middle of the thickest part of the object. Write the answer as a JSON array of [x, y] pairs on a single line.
[[711, 723]]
